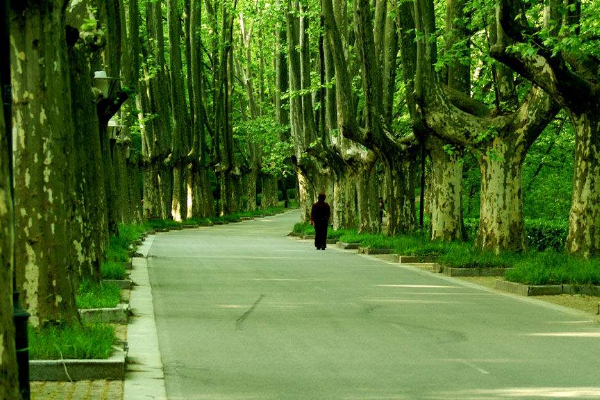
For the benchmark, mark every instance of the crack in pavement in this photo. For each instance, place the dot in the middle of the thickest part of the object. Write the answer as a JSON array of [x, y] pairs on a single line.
[[240, 321]]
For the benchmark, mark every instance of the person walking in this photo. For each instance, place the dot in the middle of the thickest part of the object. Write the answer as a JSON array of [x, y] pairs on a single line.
[[319, 218], [381, 212]]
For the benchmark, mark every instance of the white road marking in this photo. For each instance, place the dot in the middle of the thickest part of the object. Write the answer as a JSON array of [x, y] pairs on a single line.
[[567, 334], [475, 367]]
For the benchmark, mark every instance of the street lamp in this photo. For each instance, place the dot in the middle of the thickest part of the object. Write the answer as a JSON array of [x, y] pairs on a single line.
[[113, 129], [19, 314], [104, 84]]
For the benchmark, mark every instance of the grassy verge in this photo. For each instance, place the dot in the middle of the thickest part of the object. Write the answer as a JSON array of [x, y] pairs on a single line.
[[98, 295], [112, 270], [533, 267], [553, 268], [71, 342]]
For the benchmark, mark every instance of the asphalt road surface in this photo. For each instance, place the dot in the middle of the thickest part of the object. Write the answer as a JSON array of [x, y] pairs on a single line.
[[244, 312]]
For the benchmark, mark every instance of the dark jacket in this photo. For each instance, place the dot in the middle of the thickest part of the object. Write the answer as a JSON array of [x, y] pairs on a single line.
[[320, 212]]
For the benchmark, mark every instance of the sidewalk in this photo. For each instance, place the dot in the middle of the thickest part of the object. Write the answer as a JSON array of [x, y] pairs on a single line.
[[144, 377], [81, 390]]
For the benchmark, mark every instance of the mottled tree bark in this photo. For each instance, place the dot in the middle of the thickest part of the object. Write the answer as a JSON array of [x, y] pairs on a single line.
[[181, 127], [9, 385], [571, 80], [160, 106], [91, 237], [500, 153], [43, 128]]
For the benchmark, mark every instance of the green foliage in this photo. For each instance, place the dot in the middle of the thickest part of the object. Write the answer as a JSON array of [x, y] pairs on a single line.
[[71, 342], [98, 295], [546, 234], [112, 270], [553, 268], [541, 234]]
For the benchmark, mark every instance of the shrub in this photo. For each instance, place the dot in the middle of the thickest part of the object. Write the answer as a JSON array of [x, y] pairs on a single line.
[[71, 342], [546, 234], [541, 234], [98, 295]]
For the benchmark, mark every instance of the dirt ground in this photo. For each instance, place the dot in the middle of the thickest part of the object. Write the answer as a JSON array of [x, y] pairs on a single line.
[[589, 304]]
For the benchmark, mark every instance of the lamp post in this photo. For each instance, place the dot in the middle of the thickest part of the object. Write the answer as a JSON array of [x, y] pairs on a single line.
[[19, 314]]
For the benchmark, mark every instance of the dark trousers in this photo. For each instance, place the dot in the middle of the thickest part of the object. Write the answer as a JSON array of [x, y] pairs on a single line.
[[320, 234]]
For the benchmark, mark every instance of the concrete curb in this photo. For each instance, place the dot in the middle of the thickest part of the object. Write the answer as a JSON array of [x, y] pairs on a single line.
[[372, 251], [79, 370], [546, 290], [144, 377], [348, 246], [416, 259], [526, 290], [332, 241], [589, 290], [117, 315], [449, 271]]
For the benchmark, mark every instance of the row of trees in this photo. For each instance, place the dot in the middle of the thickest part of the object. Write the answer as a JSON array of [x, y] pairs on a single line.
[[201, 102], [401, 81], [121, 111]]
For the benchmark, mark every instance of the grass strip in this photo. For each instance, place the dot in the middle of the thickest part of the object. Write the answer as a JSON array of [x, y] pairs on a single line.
[[86, 342], [98, 295], [112, 270], [553, 268]]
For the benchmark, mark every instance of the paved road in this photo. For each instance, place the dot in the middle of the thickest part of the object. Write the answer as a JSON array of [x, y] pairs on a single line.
[[244, 312]]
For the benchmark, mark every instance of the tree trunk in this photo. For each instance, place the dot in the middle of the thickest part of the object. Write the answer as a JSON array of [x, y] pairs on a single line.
[[43, 126], [270, 192], [445, 194], [584, 217], [400, 174], [9, 385], [159, 99], [502, 222], [91, 236], [151, 192], [250, 180], [344, 199], [367, 196], [181, 134]]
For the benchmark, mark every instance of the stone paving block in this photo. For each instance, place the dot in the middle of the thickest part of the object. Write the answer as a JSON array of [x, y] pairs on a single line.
[[80, 390]]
